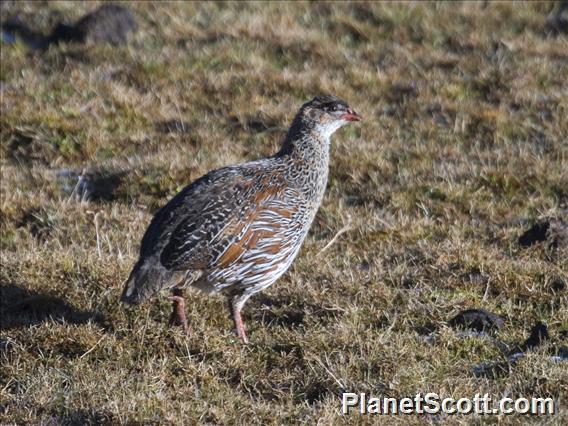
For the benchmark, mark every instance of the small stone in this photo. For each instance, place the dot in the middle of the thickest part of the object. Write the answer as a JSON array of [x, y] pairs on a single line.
[[173, 126], [557, 234], [110, 23], [535, 234], [556, 23], [477, 278], [477, 319], [557, 284], [491, 369], [554, 232], [539, 333], [407, 281], [562, 353], [90, 184]]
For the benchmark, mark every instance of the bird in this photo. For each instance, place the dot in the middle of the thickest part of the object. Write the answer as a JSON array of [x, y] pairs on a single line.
[[237, 229]]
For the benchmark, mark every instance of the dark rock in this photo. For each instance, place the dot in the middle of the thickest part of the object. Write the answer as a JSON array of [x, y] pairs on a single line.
[[539, 333], [109, 23], [37, 221], [15, 27], [475, 276], [90, 184], [426, 328], [554, 232], [477, 319], [557, 284], [398, 93], [64, 33], [173, 126], [557, 23], [557, 234], [535, 234], [466, 334], [7, 36], [492, 369], [562, 353], [407, 281], [254, 124]]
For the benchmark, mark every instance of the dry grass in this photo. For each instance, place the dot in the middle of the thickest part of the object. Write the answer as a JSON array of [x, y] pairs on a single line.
[[464, 140]]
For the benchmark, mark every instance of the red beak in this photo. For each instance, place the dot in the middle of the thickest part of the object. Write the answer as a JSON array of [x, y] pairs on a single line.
[[351, 115]]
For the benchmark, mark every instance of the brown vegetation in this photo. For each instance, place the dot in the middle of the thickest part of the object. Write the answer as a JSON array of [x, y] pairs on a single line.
[[462, 149]]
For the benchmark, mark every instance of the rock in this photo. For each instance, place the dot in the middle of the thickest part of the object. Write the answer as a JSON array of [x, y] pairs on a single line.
[[557, 284], [38, 222], [15, 27], [562, 353], [556, 23], [109, 23], [535, 234], [90, 184], [475, 277], [477, 319], [557, 234], [473, 334], [554, 232], [173, 126], [7, 36], [492, 369], [399, 92], [539, 333]]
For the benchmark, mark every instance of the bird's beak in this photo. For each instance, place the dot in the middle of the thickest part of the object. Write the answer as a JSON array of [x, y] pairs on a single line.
[[351, 115]]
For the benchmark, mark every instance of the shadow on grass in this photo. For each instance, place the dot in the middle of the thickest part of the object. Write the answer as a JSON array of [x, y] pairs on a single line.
[[20, 307], [274, 312], [270, 312], [82, 417]]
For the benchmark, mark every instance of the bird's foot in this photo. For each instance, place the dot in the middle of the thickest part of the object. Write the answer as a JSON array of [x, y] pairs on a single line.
[[177, 317], [242, 335], [240, 327], [235, 304]]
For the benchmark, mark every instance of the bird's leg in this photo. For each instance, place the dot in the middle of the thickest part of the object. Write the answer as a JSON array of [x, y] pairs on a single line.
[[236, 304], [178, 318]]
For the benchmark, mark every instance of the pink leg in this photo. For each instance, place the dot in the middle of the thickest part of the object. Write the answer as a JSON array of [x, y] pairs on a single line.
[[236, 304], [178, 318]]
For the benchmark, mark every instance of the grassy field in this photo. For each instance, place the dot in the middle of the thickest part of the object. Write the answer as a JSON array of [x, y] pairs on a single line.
[[462, 148]]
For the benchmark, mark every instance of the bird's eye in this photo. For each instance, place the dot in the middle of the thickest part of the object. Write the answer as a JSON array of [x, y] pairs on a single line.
[[333, 108]]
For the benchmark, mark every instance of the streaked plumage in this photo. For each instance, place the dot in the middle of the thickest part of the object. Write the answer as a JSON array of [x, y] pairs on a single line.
[[237, 229]]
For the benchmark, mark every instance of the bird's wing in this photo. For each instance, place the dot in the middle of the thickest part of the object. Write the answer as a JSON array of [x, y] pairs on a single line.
[[266, 235], [189, 243], [214, 214]]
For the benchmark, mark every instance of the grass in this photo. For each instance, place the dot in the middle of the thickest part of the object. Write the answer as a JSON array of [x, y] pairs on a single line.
[[463, 144]]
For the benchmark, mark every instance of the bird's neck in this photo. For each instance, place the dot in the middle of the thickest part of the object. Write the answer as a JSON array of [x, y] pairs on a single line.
[[307, 151], [305, 143]]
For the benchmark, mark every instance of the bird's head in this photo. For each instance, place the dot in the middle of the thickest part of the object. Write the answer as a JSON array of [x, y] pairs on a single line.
[[325, 114]]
